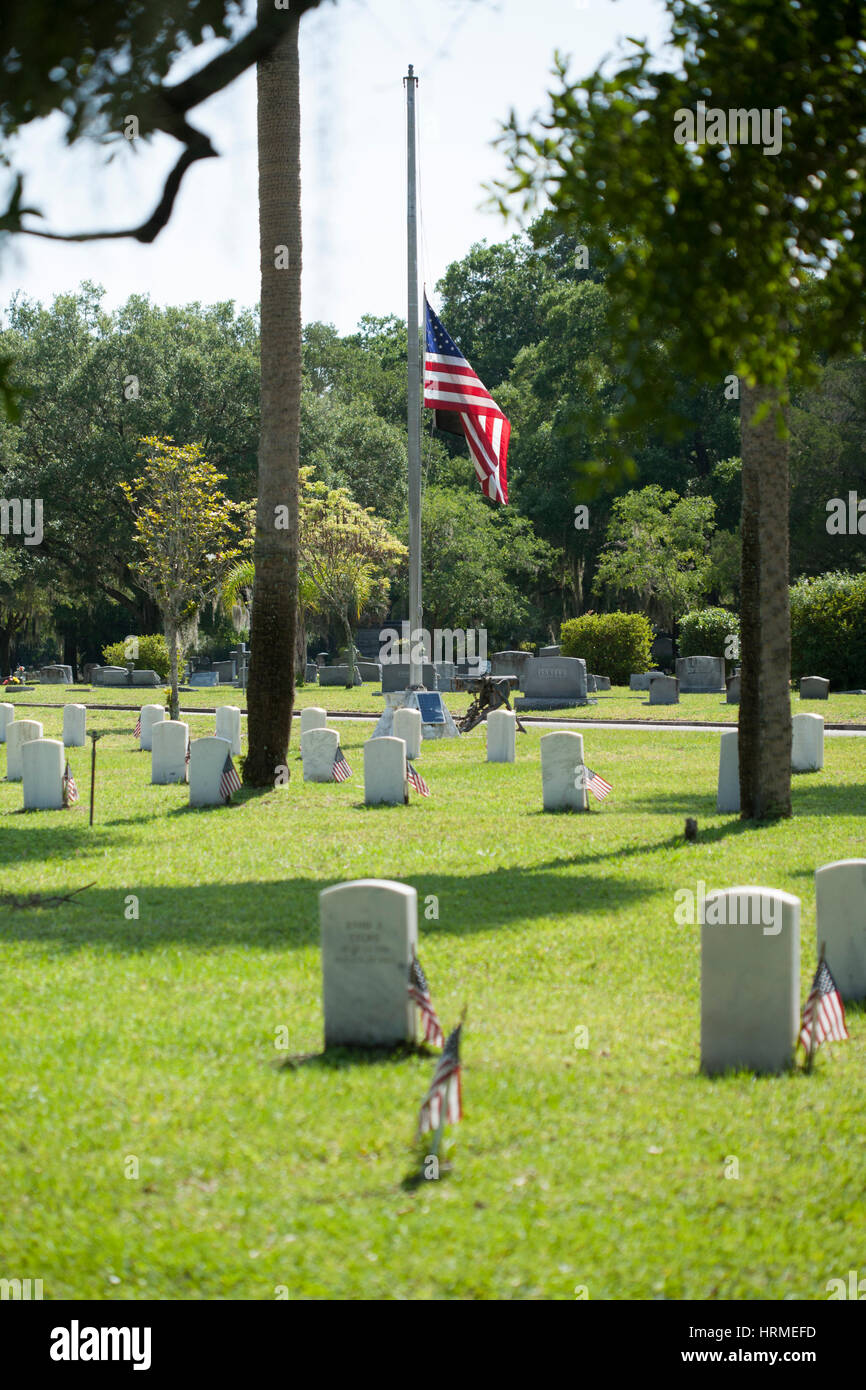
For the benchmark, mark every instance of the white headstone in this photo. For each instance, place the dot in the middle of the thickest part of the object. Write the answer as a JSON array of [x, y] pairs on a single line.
[[807, 747], [561, 763], [150, 715], [728, 799], [19, 732], [74, 726], [207, 758], [369, 931], [750, 980], [228, 725], [170, 739], [7, 714], [313, 718], [840, 904], [407, 725], [42, 765], [501, 736], [318, 751], [385, 772]]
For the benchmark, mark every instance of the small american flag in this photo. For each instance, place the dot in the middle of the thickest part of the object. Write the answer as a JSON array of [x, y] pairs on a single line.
[[341, 768], [419, 991], [70, 791], [417, 781], [591, 780], [444, 1088], [463, 405], [229, 782], [136, 733], [188, 746], [823, 1012]]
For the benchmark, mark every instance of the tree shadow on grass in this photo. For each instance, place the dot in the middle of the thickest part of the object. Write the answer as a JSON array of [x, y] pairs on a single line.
[[340, 1058]]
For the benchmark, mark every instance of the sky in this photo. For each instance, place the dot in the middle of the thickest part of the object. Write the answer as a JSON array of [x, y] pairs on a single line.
[[475, 60]]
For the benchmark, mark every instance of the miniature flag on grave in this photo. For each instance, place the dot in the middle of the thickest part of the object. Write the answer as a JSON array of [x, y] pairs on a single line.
[[417, 781], [419, 991], [597, 785], [342, 771], [70, 791], [824, 1015], [229, 782], [443, 1101], [136, 733]]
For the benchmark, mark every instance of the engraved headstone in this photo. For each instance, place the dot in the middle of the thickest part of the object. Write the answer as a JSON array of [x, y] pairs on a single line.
[[207, 759], [664, 690], [501, 736], [561, 760], [640, 680], [74, 726], [385, 780], [19, 732], [318, 751], [369, 932], [146, 678], [170, 740], [807, 743], [338, 675], [840, 904], [42, 765], [313, 718], [395, 676], [700, 675], [553, 681], [814, 688], [750, 980]]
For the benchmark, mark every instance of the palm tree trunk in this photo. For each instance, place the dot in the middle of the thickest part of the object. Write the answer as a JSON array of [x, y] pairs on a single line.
[[765, 614], [270, 693]]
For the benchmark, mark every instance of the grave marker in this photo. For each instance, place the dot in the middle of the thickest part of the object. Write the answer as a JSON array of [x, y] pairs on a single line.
[[700, 675], [407, 725], [840, 903], [313, 718], [369, 932], [728, 796], [385, 775], [814, 688], [750, 980], [19, 732], [7, 715], [42, 764], [807, 743], [150, 715], [664, 690], [318, 751], [228, 726], [501, 736], [561, 759], [207, 758], [74, 726], [168, 763]]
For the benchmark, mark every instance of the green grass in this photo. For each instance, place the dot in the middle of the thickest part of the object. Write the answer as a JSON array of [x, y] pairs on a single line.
[[600, 1167]]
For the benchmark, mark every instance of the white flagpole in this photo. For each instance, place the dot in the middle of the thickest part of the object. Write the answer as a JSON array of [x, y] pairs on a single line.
[[413, 419]]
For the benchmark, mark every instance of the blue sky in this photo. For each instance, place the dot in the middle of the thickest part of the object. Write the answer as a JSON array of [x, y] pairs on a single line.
[[475, 60]]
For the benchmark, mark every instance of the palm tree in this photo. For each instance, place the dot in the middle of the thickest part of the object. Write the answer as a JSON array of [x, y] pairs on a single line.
[[239, 587], [270, 693]]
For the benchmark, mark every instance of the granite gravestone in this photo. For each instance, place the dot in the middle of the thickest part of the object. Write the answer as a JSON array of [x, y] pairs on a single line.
[[664, 690], [338, 675], [840, 904], [553, 682], [814, 688], [701, 675], [750, 980], [395, 676], [369, 932]]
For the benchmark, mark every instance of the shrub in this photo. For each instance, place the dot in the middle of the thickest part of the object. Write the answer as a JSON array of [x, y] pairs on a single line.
[[828, 629], [611, 644], [152, 654], [705, 632]]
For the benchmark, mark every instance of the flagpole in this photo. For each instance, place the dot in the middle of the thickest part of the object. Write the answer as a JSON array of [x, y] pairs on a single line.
[[413, 418]]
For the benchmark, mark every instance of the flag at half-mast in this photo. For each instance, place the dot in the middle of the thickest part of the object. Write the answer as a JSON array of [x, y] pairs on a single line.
[[463, 405]]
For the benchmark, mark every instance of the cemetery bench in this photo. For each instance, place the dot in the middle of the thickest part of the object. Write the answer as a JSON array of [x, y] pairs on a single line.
[[490, 693]]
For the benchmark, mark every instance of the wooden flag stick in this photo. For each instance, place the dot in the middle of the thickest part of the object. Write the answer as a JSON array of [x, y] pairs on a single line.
[[812, 1030], [94, 736]]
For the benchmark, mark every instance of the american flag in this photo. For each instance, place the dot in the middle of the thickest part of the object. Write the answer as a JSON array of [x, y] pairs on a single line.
[[136, 733], [451, 388], [341, 768], [444, 1088], [419, 991], [70, 791], [229, 782], [823, 1012], [597, 785], [417, 781]]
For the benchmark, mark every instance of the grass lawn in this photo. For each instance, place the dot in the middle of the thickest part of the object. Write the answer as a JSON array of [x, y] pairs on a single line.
[[600, 1167]]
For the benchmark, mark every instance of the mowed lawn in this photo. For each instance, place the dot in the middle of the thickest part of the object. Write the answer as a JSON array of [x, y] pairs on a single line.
[[599, 1169]]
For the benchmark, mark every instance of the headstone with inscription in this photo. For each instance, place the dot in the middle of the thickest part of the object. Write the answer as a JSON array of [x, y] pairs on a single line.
[[509, 664], [42, 764], [19, 732], [146, 678], [664, 690], [318, 751], [338, 675], [369, 931], [202, 680], [840, 905], [395, 676], [553, 682], [207, 759], [700, 675], [750, 980], [385, 778], [814, 688]]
